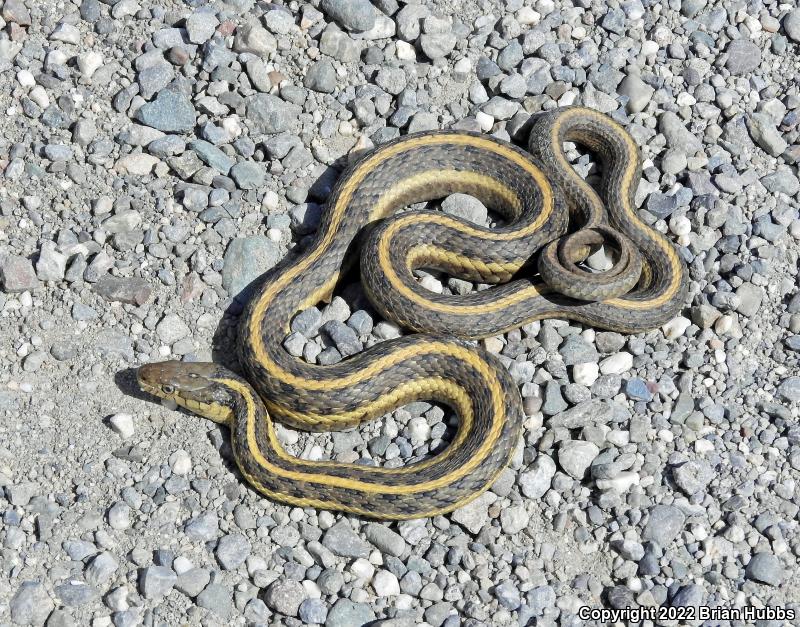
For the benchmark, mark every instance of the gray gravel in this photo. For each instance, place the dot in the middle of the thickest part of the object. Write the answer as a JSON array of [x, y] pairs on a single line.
[[157, 157]]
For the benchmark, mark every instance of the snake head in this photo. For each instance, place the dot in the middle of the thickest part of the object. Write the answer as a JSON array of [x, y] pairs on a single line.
[[199, 387]]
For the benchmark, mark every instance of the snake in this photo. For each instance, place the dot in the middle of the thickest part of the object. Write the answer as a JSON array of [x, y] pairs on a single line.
[[532, 264]]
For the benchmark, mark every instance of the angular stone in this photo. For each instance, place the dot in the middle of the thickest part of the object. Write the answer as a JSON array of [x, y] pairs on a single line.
[[475, 515], [693, 476], [346, 613], [575, 457], [594, 411], [232, 550], [270, 113], [17, 274], [216, 598], [354, 15], [131, 290], [343, 541], [245, 260], [255, 39], [30, 604], [248, 174], [171, 112], [664, 524], [51, 264], [212, 156], [765, 568], [156, 582]]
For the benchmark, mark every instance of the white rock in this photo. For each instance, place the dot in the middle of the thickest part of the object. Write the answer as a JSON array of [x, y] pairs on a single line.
[[649, 47], [124, 8], [703, 446], [312, 589], [666, 435], [535, 482], [514, 519], [621, 483], [39, 96], [122, 424], [405, 51], [25, 78], [362, 569], [102, 205], [617, 364], [462, 69], [383, 29], [385, 584], [431, 283], [485, 121], [723, 324], [575, 457], [528, 17], [139, 164], [586, 373], [699, 532], [418, 429], [89, 63], [233, 125], [54, 58], [119, 516], [180, 462], [617, 437], [67, 33], [680, 225], [676, 327], [182, 564], [254, 564], [475, 515]]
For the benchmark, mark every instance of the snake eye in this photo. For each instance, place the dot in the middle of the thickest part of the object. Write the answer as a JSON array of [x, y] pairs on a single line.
[[167, 389]]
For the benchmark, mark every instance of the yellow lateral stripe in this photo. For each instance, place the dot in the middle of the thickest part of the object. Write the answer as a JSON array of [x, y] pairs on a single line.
[[625, 185], [353, 509], [357, 176], [456, 260], [466, 420], [498, 419], [409, 294], [465, 180]]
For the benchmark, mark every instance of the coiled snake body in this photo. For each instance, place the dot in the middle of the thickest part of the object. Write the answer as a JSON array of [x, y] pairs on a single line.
[[541, 198]]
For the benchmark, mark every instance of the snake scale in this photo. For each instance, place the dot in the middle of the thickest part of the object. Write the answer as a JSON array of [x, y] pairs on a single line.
[[553, 220]]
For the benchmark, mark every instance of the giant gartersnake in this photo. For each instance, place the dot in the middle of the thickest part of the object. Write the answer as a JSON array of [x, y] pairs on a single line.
[[542, 199]]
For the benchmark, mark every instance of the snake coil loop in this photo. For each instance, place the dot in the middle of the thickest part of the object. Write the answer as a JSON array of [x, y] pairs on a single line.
[[540, 193], [558, 265]]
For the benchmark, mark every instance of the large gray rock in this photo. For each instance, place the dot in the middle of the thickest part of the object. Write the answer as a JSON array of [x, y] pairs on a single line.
[[156, 581], [171, 112], [743, 57], [664, 524], [30, 605], [17, 274], [354, 15], [575, 457], [285, 596], [245, 260], [271, 114], [765, 568], [343, 541]]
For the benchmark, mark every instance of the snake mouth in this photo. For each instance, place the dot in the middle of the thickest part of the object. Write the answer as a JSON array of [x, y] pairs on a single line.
[[148, 378]]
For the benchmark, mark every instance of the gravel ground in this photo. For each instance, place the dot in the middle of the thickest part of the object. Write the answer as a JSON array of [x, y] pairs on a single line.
[[156, 156]]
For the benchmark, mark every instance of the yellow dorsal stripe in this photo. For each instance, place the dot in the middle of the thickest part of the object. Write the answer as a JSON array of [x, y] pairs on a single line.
[[498, 420]]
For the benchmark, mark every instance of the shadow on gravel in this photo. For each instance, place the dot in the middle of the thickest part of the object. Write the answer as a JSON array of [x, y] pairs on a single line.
[[126, 382]]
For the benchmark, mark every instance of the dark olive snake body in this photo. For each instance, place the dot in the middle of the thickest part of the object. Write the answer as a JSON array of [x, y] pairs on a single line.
[[541, 197]]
